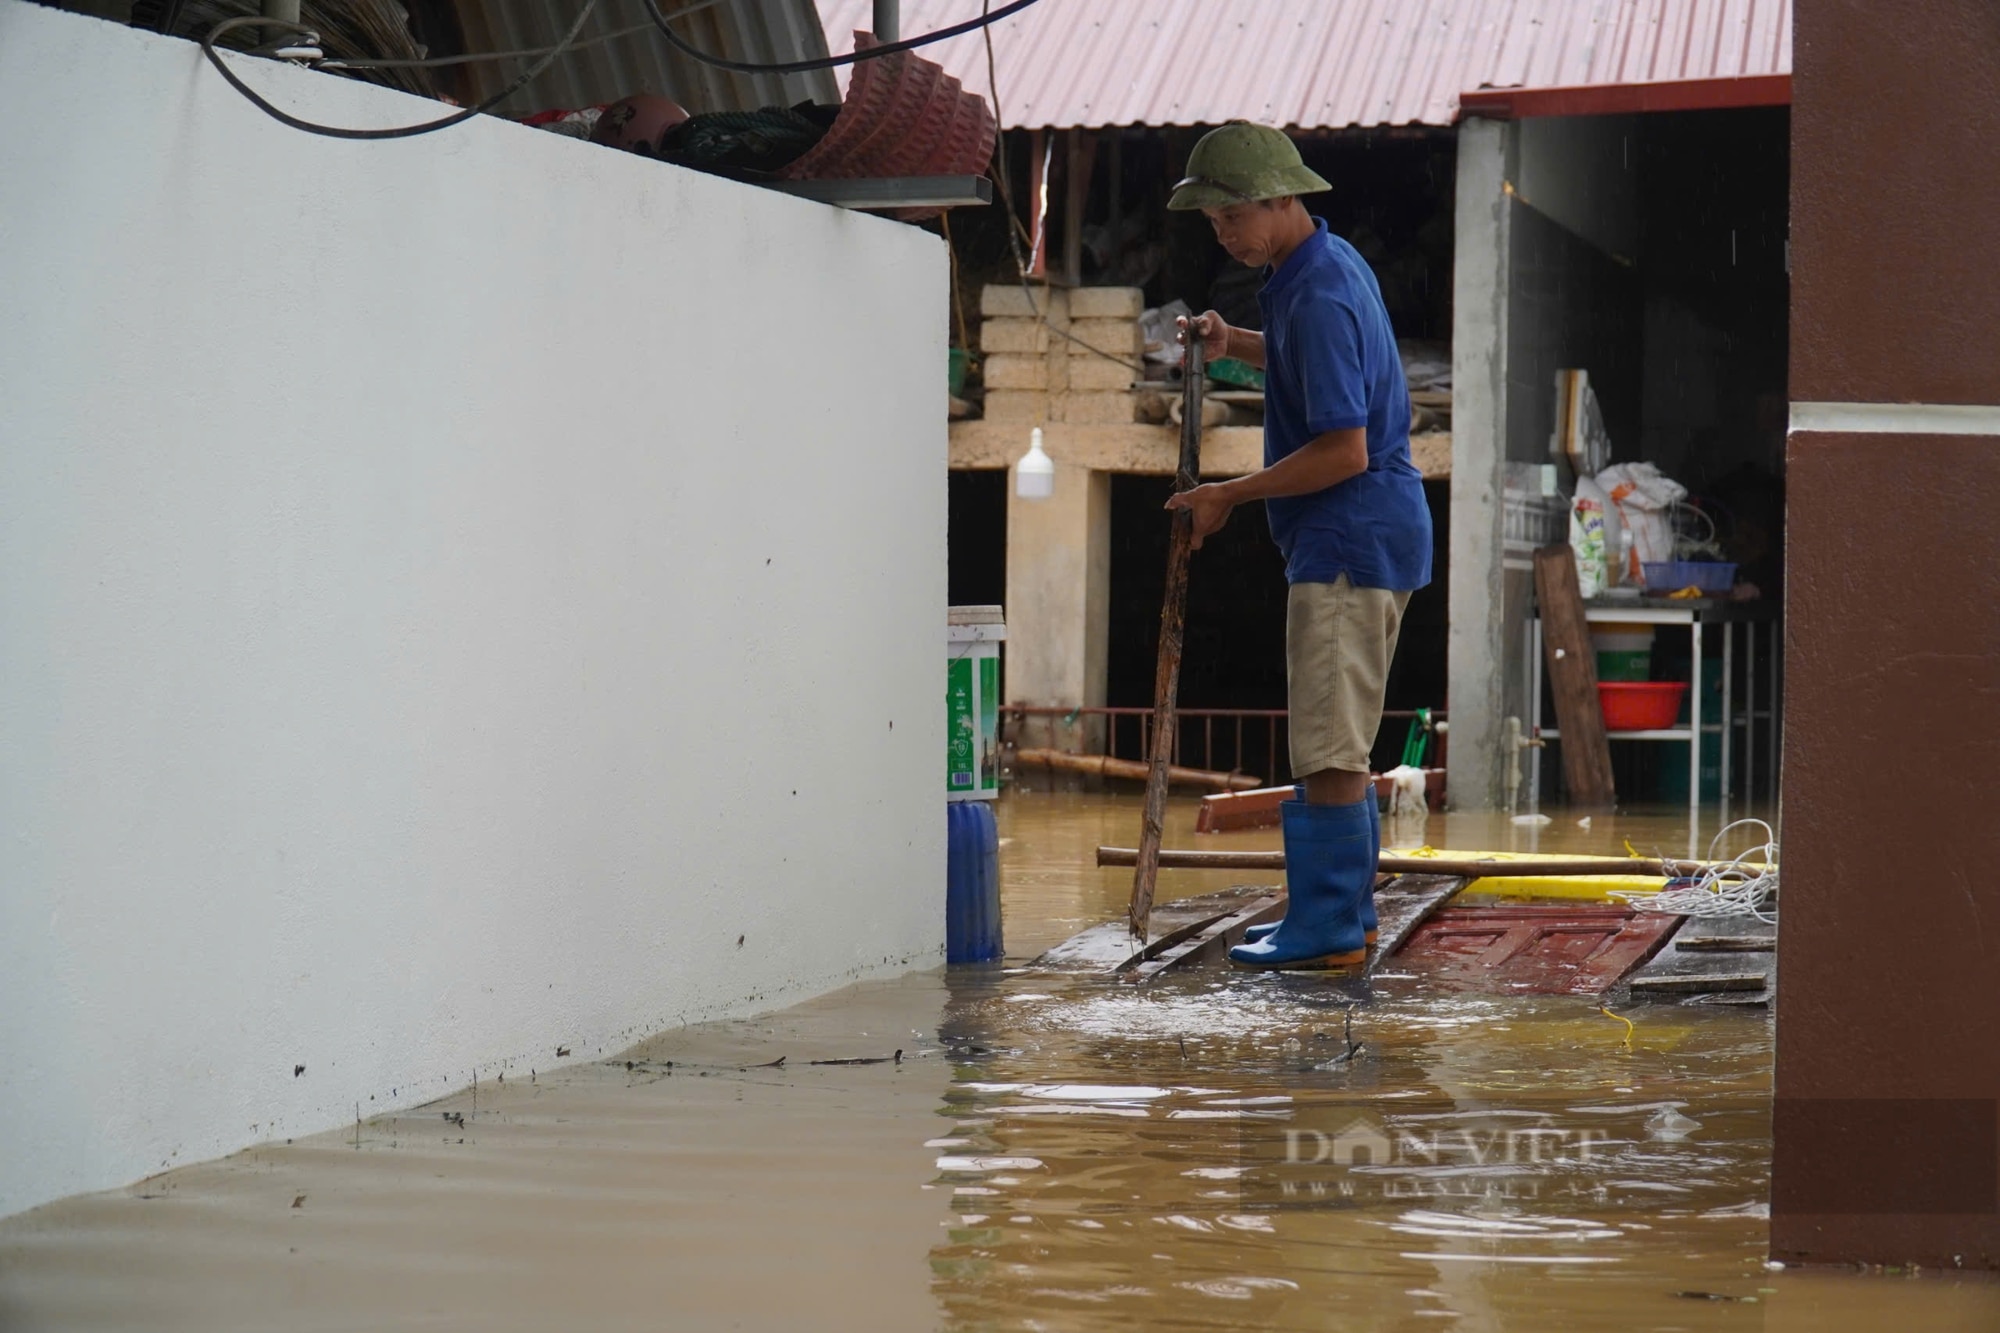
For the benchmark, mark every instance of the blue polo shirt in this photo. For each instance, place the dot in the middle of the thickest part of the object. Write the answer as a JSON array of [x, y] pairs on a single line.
[[1330, 363]]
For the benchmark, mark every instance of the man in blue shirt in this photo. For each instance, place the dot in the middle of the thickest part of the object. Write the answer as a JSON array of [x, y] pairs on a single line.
[[1346, 507]]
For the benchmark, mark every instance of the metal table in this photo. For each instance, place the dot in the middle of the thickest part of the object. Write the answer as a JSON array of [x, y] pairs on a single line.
[[1692, 614]]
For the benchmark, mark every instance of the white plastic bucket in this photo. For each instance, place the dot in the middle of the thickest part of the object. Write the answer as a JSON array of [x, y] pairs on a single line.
[[973, 635]]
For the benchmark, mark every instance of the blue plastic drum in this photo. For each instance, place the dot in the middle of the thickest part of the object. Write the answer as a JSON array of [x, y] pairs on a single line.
[[972, 883]]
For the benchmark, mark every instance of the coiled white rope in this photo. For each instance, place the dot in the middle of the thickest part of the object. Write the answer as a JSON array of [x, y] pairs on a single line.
[[1744, 885]]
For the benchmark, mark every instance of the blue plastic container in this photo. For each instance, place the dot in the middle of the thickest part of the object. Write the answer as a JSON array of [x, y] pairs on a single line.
[[972, 883], [1715, 577]]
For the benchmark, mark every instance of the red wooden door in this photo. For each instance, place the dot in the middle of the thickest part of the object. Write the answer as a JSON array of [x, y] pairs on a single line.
[[1534, 948]]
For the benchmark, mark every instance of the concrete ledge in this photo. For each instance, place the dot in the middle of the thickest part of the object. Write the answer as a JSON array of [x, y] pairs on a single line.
[[1227, 451]]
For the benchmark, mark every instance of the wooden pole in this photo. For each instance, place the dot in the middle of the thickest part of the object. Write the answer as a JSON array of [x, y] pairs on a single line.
[[1473, 867], [1173, 623], [1104, 766]]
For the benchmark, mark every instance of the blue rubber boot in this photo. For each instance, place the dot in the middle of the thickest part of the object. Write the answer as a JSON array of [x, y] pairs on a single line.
[[1368, 924], [1328, 868], [1374, 861]]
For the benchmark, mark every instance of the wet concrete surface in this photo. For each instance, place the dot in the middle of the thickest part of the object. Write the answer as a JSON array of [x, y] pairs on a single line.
[[1051, 1151]]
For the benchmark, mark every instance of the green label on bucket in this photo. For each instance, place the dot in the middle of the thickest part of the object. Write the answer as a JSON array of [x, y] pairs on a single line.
[[961, 727], [989, 724]]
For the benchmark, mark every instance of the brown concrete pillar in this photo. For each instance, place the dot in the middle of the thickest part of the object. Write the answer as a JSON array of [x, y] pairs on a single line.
[[1888, 1076]]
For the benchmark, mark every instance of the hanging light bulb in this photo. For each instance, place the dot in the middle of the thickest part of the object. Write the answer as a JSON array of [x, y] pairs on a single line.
[[1035, 474]]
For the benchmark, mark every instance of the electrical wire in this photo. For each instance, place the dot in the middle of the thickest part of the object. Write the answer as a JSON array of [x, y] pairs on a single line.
[[693, 52], [1744, 885], [439, 62], [398, 132]]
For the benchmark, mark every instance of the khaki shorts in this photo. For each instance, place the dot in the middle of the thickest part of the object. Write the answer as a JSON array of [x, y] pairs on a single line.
[[1338, 643]]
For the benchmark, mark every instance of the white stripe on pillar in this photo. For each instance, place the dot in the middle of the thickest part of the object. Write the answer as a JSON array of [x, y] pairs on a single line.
[[1897, 418]]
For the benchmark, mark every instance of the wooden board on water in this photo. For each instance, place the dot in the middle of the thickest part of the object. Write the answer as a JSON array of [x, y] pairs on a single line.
[[1213, 939], [1713, 955], [1108, 947]]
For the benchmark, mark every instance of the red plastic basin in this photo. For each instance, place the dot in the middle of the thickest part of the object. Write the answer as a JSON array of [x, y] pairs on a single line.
[[1649, 705]]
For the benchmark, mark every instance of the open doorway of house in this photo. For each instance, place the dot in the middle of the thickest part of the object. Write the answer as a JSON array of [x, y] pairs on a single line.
[[1687, 354]]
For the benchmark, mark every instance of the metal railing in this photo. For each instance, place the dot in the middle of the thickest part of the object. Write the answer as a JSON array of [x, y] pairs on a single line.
[[1260, 728]]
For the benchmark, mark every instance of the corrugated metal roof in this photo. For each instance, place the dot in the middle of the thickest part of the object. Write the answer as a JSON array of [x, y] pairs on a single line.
[[1325, 64], [768, 31]]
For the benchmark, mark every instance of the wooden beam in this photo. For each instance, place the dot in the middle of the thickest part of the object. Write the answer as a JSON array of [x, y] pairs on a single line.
[[1079, 155], [1572, 667]]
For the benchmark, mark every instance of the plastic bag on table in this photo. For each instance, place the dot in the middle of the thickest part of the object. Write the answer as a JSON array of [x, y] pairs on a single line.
[[1643, 497], [1588, 538]]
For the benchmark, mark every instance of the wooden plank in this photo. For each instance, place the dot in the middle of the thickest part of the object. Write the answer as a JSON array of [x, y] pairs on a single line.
[[1684, 970], [1404, 904], [1109, 946], [1714, 954], [1744, 933], [1572, 667], [1258, 808], [1168, 941], [1173, 623], [1211, 940], [1243, 809]]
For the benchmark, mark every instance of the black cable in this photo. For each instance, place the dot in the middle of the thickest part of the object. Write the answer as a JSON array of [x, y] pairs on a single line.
[[399, 132], [827, 62]]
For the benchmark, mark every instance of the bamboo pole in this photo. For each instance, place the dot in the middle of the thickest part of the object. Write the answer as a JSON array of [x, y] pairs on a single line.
[[1473, 867], [1105, 766], [1173, 623]]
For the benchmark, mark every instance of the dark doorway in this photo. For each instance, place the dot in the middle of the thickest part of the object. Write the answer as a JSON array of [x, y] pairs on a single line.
[[977, 541], [1235, 653]]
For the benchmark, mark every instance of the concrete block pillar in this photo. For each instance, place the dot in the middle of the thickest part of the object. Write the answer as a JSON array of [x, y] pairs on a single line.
[[1059, 599], [1475, 644]]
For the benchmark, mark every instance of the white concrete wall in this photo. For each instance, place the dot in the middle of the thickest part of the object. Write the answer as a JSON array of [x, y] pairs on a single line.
[[450, 591]]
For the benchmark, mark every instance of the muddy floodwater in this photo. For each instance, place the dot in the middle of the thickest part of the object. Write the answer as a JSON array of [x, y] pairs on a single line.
[[1050, 1151]]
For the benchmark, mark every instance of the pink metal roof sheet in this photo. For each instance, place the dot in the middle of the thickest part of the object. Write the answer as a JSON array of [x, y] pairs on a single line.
[[1325, 64]]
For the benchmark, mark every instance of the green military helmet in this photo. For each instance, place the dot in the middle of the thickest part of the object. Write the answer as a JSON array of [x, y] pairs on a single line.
[[1241, 162]]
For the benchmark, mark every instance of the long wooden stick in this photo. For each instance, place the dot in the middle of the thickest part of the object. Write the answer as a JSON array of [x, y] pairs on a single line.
[[1173, 623], [1522, 867]]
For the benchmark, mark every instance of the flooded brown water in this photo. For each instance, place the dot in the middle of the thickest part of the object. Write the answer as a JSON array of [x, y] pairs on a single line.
[[1052, 1151]]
